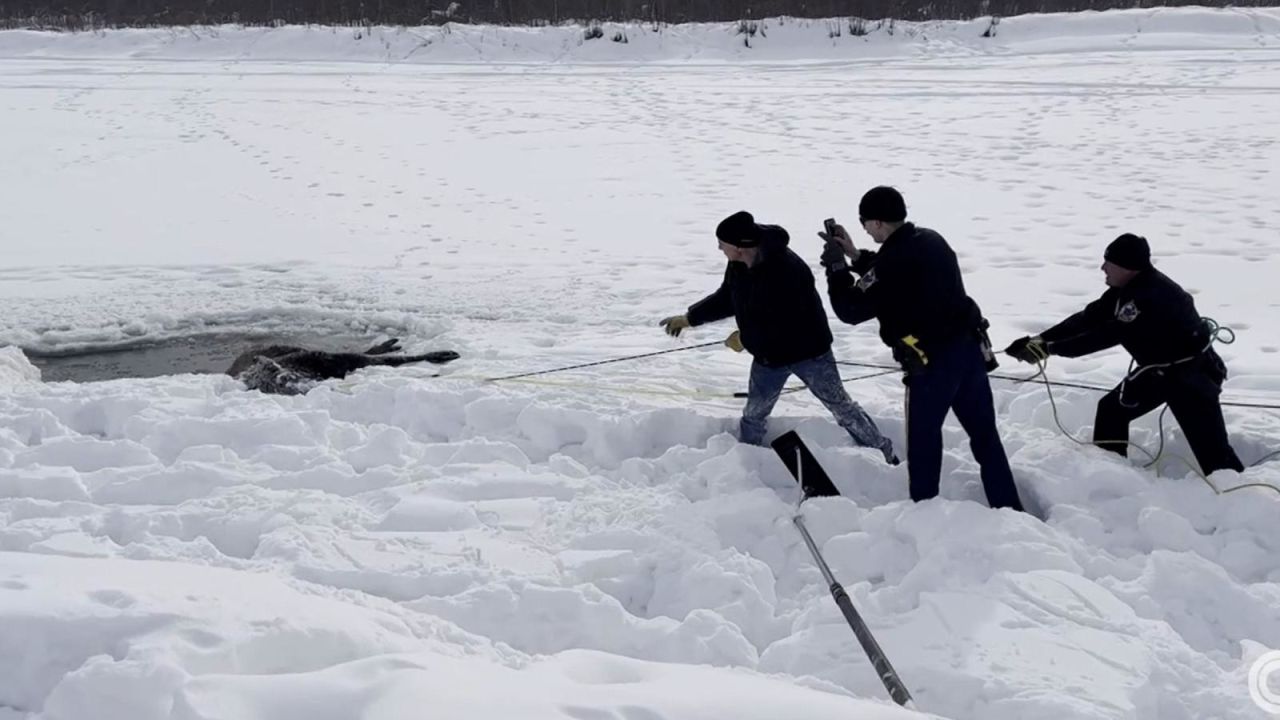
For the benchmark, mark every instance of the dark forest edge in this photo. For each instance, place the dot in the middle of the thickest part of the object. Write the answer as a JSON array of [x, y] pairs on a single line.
[[113, 14]]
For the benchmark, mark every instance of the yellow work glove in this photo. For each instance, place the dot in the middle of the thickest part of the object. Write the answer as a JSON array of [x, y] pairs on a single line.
[[674, 324], [734, 341]]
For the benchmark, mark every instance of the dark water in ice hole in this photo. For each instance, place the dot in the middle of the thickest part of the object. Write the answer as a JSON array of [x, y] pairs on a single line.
[[195, 354]]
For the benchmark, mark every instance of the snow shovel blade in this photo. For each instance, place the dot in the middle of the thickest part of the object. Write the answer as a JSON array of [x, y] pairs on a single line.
[[813, 480]]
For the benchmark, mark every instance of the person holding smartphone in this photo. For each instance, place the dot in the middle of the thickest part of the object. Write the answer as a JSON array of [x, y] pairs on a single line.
[[913, 287]]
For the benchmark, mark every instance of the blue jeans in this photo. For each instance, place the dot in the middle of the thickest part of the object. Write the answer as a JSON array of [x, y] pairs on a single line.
[[955, 380], [819, 374]]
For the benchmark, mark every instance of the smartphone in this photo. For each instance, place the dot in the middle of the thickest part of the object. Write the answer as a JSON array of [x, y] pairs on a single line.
[[830, 225]]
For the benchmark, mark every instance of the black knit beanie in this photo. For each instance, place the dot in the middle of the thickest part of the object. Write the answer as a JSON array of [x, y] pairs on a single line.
[[884, 204], [739, 230], [1129, 251]]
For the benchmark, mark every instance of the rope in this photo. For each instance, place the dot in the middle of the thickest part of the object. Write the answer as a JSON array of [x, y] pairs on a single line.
[[522, 377], [603, 362], [669, 393], [843, 381], [1042, 363], [624, 391], [1062, 383]]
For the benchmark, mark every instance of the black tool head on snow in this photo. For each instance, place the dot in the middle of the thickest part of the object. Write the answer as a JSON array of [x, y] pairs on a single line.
[[803, 466]]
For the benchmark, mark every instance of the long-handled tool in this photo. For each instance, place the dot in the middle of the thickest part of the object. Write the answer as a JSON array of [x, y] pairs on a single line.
[[814, 482]]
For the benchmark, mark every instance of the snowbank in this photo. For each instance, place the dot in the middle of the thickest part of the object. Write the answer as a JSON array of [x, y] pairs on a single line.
[[364, 528], [15, 369], [116, 638], [575, 685], [149, 640]]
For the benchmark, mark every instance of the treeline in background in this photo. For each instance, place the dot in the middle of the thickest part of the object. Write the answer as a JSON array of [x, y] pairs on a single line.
[[93, 14]]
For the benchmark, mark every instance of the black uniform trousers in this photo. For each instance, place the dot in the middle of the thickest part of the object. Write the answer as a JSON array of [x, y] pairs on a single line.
[[1192, 392], [955, 380]]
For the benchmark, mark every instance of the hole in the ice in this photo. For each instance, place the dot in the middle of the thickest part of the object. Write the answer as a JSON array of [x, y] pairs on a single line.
[[211, 353]]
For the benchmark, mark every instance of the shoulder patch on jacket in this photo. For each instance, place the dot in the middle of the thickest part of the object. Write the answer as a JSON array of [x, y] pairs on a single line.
[[867, 280], [1127, 312]]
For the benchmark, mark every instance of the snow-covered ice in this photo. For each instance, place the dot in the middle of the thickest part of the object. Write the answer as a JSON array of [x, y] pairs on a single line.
[[596, 544]]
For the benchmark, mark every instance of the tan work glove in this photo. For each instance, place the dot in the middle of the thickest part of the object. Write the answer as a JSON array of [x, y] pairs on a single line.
[[734, 341], [674, 324]]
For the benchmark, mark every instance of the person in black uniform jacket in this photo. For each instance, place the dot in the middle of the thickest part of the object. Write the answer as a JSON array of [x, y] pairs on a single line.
[[770, 291], [1174, 362], [936, 331]]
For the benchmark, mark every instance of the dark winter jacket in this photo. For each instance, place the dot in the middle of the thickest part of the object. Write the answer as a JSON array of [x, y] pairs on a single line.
[[913, 286], [779, 311], [1152, 317]]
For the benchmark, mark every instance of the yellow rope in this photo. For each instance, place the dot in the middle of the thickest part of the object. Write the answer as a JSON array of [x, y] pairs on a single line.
[[610, 388], [1042, 362]]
